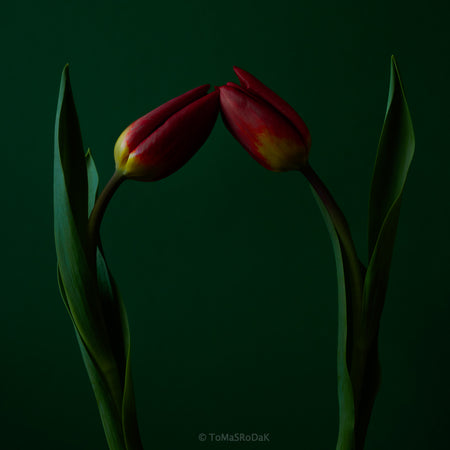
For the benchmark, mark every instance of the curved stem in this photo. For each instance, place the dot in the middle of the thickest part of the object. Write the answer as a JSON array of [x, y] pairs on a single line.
[[110, 371], [358, 344], [95, 219], [340, 224]]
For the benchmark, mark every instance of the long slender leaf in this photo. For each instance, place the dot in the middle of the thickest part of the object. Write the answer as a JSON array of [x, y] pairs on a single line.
[[109, 412], [120, 336], [87, 290], [121, 428], [76, 275], [394, 156], [70, 153], [358, 364]]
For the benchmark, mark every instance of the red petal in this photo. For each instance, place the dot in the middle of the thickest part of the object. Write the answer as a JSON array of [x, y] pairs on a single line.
[[175, 142], [143, 127], [255, 86], [249, 120]]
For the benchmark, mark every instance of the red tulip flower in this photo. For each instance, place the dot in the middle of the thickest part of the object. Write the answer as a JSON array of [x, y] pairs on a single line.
[[159, 143], [265, 125], [162, 141]]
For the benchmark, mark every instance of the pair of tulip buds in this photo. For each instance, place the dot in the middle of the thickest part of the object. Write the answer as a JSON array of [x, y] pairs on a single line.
[[162, 141]]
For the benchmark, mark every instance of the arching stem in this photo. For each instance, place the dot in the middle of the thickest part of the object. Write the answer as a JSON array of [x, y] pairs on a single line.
[[99, 209]]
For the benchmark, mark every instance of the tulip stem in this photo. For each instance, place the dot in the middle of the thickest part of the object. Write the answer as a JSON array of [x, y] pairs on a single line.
[[359, 344], [355, 266], [98, 211]]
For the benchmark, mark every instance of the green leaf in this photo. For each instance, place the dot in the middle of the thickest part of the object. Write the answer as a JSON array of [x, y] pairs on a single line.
[[109, 412], [69, 143], [86, 287], [358, 364], [120, 336], [394, 156], [121, 427], [92, 180], [70, 233], [345, 390]]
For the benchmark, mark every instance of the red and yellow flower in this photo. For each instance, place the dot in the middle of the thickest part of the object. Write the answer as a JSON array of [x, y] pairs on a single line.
[[162, 141], [264, 124]]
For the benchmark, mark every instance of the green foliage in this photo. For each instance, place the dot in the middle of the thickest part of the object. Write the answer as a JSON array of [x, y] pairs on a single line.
[[86, 285], [358, 363], [394, 156]]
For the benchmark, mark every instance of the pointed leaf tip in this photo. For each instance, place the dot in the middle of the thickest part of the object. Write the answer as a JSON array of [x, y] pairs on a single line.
[[394, 157]]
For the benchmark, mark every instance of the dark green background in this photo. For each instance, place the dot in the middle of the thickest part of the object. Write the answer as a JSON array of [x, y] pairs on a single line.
[[226, 268]]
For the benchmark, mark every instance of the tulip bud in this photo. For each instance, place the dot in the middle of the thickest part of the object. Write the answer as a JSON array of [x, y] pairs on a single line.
[[162, 141], [264, 124]]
